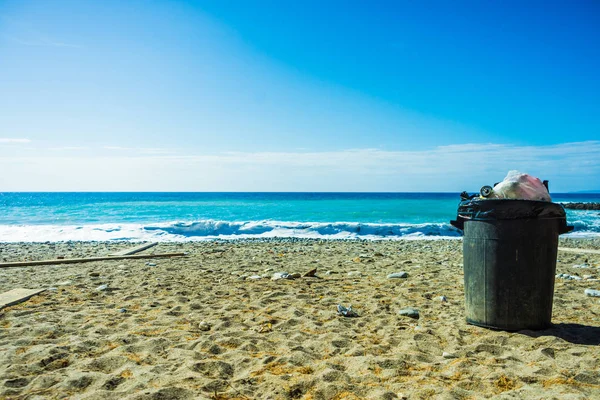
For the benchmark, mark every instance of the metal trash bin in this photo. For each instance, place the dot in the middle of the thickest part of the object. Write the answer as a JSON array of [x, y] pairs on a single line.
[[509, 258]]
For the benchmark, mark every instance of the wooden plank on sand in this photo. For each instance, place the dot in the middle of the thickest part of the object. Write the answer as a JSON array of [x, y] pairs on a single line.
[[575, 250], [128, 252], [17, 296], [84, 260]]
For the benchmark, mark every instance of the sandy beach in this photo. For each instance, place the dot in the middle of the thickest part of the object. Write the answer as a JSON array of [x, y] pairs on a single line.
[[202, 326]]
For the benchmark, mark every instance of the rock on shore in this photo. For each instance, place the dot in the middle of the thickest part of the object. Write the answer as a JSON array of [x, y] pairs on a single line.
[[582, 206]]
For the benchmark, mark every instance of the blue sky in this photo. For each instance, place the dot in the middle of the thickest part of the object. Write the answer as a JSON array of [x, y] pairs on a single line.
[[297, 96]]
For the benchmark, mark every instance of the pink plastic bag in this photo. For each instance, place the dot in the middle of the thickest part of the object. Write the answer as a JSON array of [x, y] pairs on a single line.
[[520, 186]]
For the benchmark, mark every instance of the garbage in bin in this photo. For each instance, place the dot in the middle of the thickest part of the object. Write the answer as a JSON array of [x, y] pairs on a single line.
[[509, 258], [518, 186]]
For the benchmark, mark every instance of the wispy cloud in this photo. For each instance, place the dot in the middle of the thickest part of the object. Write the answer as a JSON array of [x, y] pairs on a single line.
[[442, 158], [40, 41], [568, 166], [24, 33], [116, 148], [441, 168], [151, 151], [140, 150], [69, 148], [14, 140]]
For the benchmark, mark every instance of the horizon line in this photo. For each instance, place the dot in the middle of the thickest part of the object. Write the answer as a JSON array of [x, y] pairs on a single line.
[[280, 192]]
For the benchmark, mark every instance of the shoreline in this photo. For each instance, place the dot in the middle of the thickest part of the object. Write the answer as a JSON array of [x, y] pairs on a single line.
[[591, 238], [191, 327]]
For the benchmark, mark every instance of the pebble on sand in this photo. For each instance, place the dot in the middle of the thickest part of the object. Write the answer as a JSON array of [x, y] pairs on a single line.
[[584, 265], [398, 275], [102, 288], [592, 292], [311, 274], [569, 277], [281, 275], [204, 326], [409, 312], [346, 311]]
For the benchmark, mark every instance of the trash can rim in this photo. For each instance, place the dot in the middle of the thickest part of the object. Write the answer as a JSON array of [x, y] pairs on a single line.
[[477, 209]]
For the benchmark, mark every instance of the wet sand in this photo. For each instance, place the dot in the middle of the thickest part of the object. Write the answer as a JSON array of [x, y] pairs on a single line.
[[197, 327]]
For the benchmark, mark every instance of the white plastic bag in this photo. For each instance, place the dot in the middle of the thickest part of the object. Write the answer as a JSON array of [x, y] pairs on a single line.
[[520, 186]]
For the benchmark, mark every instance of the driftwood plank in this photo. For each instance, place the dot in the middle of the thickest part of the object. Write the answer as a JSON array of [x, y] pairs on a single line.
[[575, 250], [17, 296], [84, 260], [128, 252]]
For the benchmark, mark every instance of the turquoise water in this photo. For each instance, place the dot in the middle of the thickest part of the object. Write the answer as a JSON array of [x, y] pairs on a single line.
[[197, 216]]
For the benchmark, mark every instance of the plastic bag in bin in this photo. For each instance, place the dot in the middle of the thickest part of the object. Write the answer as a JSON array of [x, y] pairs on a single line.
[[519, 186]]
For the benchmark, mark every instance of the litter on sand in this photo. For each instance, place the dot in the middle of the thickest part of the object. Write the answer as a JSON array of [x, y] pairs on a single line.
[[17, 296]]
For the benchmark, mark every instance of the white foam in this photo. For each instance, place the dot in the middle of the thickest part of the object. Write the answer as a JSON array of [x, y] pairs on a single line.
[[213, 229]]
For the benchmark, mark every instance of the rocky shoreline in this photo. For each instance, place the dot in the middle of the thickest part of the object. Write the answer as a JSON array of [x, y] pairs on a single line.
[[248, 319], [582, 206]]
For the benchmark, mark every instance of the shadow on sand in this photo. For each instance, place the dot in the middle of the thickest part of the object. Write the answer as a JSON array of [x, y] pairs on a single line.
[[573, 333]]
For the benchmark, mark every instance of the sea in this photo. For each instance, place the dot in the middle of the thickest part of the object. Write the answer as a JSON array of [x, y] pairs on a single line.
[[167, 217]]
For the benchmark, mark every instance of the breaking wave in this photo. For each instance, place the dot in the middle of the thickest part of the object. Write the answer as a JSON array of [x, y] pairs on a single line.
[[227, 230], [211, 229]]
